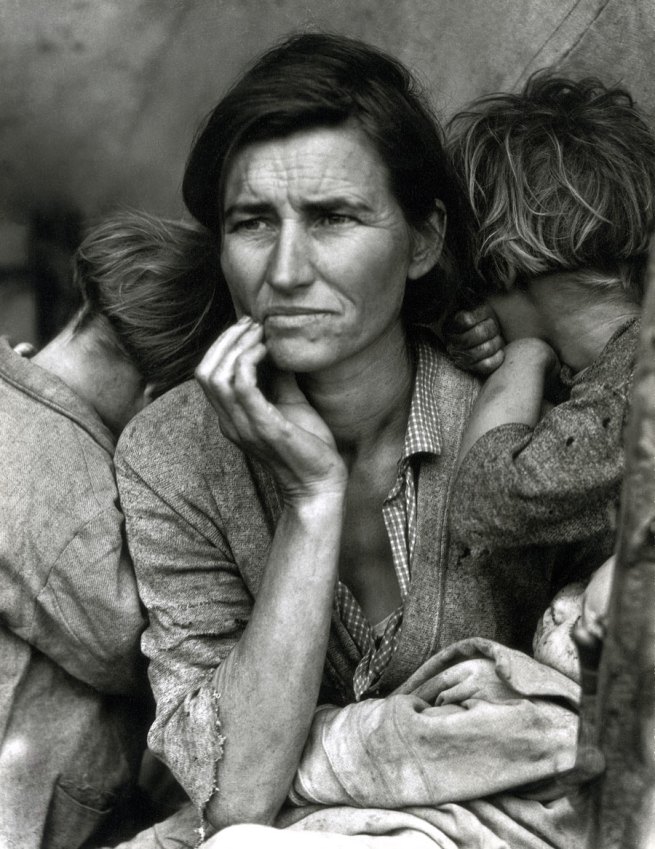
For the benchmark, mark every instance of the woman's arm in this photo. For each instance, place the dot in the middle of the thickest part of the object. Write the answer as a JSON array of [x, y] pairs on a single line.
[[259, 668], [269, 684], [475, 720]]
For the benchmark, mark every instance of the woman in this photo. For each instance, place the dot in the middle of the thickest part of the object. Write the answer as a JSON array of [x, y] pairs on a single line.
[[288, 526]]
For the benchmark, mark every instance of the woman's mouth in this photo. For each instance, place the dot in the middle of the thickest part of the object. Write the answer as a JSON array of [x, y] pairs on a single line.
[[293, 317]]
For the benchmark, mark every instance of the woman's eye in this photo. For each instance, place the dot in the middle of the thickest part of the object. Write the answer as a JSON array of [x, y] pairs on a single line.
[[335, 219], [249, 224]]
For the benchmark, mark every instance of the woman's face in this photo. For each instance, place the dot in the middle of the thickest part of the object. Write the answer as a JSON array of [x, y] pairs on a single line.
[[316, 248]]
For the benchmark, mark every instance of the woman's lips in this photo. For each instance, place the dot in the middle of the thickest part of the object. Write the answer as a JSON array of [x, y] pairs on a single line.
[[294, 318]]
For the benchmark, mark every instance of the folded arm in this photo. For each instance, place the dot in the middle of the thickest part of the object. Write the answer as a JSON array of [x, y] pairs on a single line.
[[251, 664], [482, 726]]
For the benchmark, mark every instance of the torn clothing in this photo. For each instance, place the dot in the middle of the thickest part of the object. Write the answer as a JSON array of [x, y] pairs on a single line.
[[418, 746], [200, 517], [491, 770], [71, 673], [560, 480]]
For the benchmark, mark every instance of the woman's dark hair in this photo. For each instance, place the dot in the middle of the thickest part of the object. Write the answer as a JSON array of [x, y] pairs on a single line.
[[148, 287], [323, 80], [560, 177]]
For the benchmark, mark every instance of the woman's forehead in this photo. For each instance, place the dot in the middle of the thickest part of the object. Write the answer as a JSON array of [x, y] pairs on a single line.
[[313, 164]]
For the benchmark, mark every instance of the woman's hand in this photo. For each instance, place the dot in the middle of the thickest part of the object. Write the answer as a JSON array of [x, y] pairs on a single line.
[[476, 678], [285, 433]]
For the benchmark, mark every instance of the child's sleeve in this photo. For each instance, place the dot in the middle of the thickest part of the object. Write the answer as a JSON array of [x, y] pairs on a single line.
[[558, 482]]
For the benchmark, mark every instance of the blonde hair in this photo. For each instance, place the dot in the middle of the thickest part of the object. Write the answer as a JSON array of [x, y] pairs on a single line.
[[559, 177], [150, 287]]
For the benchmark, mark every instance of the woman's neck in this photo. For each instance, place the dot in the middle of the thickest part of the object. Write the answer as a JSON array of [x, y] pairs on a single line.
[[365, 401]]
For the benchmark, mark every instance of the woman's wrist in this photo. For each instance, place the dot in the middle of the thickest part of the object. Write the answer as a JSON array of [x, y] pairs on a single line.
[[326, 500]]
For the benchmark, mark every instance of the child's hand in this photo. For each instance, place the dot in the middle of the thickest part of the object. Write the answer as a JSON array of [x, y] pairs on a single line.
[[590, 629], [474, 341], [596, 598], [25, 349]]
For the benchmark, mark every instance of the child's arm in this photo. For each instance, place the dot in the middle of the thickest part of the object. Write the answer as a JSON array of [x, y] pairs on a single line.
[[513, 394], [596, 601], [554, 483], [525, 480]]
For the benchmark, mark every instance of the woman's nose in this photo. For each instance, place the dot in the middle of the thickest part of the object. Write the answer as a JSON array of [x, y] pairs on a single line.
[[290, 263]]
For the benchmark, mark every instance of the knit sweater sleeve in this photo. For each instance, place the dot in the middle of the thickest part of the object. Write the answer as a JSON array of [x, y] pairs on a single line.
[[553, 484], [196, 599]]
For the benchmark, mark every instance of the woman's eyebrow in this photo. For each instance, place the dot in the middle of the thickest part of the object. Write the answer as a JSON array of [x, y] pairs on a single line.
[[313, 206], [335, 203], [247, 208]]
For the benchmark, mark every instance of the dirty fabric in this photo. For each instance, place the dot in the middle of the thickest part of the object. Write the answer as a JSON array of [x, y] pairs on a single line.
[[200, 518], [491, 770], [561, 479], [71, 719]]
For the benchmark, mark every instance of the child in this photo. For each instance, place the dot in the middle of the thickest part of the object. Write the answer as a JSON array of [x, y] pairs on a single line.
[[560, 179], [74, 701]]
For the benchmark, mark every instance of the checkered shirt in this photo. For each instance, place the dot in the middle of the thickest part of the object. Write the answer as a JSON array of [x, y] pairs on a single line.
[[399, 513]]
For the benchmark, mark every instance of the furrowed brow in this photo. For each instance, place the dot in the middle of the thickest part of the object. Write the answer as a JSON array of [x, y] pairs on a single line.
[[253, 208], [334, 204]]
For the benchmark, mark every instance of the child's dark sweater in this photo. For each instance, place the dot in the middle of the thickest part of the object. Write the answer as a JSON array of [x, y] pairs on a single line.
[[560, 481]]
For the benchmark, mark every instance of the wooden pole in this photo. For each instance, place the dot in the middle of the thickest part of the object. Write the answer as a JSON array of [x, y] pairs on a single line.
[[623, 810]]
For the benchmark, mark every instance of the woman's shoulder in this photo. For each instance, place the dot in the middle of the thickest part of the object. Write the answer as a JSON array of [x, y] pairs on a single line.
[[179, 427]]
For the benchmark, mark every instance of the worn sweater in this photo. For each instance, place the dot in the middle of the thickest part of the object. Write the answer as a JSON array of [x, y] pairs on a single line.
[[200, 517], [72, 725], [560, 480]]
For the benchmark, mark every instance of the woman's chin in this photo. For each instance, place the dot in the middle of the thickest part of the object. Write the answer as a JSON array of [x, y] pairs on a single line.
[[300, 358]]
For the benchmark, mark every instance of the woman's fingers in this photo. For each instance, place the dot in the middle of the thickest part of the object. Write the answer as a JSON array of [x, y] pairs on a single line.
[[259, 420], [216, 374], [288, 435], [216, 371], [464, 680], [218, 362]]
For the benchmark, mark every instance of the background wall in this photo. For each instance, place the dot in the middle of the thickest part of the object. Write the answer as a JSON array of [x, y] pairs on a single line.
[[100, 98]]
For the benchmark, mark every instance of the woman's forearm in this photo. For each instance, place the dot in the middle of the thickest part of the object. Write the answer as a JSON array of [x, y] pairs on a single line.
[[268, 686]]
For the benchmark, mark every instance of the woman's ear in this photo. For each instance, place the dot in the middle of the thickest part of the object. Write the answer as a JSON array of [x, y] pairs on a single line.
[[428, 243], [149, 393]]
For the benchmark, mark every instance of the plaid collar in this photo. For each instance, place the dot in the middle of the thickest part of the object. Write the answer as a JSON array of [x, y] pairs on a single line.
[[423, 434]]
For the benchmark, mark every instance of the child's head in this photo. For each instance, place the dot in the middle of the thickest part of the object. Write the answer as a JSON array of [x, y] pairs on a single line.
[[553, 643], [560, 178], [148, 290], [576, 605]]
